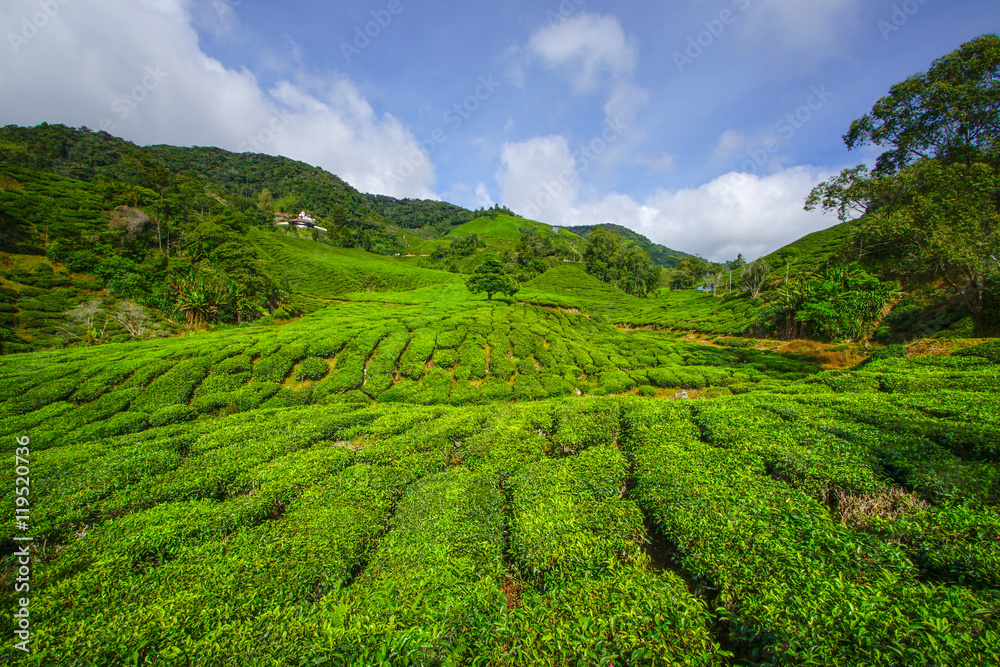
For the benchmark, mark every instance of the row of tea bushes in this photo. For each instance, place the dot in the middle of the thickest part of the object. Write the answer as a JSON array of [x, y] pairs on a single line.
[[490, 353], [795, 586]]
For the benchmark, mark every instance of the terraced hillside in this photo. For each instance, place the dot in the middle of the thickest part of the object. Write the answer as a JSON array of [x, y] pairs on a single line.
[[358, 487]]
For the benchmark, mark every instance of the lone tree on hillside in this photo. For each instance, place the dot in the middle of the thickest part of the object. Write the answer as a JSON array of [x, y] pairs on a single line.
[[753, 275], [491, 278]]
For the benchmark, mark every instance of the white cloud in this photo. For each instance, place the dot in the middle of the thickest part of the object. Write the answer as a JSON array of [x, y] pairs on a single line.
[[730, 143], [658, 163], [136, 67], [594, 54], [483, 196], [538, 175], [587, 48], [734, 213], [801, 34], [626, 99]]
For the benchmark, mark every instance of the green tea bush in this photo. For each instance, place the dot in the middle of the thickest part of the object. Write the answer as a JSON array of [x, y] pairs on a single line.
[[895, 351], [171, 414], [381, 368], [633, 616], [234, 365], [273, 368], [41, 396], [102, 408], [989, 350], [217, 382], [436, 575], [175, 386], [565, 524], [289, 398], [122, 423], [778, 561], [211, 402], [312, 368]]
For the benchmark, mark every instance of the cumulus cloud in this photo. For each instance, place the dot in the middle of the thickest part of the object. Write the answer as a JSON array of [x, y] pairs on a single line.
[[734, 213], [593, 52], [587, 48], [134, 68], [483, 196], [538, 175]]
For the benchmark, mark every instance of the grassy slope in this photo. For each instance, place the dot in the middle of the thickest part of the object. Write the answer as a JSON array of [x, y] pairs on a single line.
[[811, 252], [499, 233], [471, 534], [320, 271], [686, 310]]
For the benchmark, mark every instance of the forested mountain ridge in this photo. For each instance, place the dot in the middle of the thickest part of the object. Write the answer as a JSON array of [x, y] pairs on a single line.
[[661, 255], [241, 177]]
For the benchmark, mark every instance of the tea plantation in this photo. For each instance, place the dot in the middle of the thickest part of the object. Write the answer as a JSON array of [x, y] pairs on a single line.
[[429, 478]]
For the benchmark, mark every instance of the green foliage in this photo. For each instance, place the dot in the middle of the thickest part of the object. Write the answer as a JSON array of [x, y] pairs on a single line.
[[895, 351], [659, 254], [491, 278], [840, 303], [948, 112], [930, 204], [312, 368], [753, 276], [385, 479], [943, 223], [989, 350], [610, 261], [522, 533], [171, 414]]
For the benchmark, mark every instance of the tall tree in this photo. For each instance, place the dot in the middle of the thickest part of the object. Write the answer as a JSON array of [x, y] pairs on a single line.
[[490, 277], [603, 255], [934, 196], [609, 260], [952, 111], [753, 276], [945, 225]]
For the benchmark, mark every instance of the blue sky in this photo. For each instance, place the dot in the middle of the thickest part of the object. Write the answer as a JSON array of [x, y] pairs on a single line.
[[700, 124]]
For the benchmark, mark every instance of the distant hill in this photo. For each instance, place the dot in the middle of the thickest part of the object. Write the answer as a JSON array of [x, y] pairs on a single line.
[[238, 177], [421, 213], [661, 255]]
